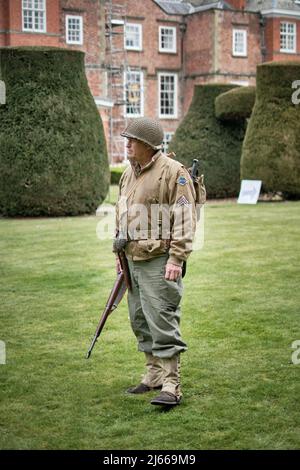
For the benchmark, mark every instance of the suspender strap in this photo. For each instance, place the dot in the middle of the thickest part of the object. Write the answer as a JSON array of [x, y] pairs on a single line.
[[161, 199], [162, 186]]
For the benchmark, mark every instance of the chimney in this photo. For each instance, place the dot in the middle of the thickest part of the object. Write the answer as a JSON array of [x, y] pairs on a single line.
[[237, 4]]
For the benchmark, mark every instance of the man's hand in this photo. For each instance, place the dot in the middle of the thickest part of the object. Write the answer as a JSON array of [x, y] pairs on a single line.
[[172, 272]]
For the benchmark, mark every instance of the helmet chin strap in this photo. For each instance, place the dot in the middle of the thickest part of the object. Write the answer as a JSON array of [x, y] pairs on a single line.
[[147, 158]]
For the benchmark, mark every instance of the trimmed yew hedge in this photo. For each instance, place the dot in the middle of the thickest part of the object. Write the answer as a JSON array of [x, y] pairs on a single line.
[[271, 150], [215, 143], [53, 158], [235, 104], [116, 173]]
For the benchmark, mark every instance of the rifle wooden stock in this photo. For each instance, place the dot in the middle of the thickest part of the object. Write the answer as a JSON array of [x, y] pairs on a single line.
[[125, 268], [114, 299]]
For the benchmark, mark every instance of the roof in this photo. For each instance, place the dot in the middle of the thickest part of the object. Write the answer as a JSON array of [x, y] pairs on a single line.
[[201, 5], [185, 7], [264, 5], [175, 7], [205, 3]]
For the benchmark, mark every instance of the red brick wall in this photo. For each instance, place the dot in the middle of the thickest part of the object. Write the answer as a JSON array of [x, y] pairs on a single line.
[[11, 33], [199, 44], [56, 10], [150, 16], [16, 37], [208, 49], [3, 22], [238, 4], [89, 10], [93, 43], [198, 53], [229, 64], [272, 40], [203, 55], [149, 59], [269, 39]]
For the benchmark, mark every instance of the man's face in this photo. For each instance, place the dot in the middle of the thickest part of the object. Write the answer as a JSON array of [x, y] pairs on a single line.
[[136, 150]]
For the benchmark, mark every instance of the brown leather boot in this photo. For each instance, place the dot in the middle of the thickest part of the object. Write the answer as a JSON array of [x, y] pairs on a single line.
[[141, 388], [166, 399], [153, 379], [170, 393], [154, 376]]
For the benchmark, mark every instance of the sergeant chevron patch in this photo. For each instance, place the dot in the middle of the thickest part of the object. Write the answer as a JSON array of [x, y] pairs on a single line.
[[182, 201]]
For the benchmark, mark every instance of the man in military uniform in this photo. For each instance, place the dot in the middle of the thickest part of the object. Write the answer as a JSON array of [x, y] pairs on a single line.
[[156, 217]]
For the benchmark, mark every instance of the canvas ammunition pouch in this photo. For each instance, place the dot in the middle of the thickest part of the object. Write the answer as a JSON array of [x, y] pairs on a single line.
[[200, 198], [200, 190]]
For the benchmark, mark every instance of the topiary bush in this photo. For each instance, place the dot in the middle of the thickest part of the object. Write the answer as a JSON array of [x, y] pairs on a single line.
[[53, 158], [116, 173], [235, 104], [271, 150], [215, 143]]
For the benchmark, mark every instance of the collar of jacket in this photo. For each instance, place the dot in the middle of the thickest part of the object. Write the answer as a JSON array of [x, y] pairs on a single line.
[[136, 167]]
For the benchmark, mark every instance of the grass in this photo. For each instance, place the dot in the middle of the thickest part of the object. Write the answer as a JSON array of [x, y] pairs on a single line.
[[240, 317], [112, 194]]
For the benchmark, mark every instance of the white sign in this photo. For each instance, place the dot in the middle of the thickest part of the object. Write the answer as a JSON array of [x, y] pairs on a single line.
[[2, 92], [249, 192], [2, 353]]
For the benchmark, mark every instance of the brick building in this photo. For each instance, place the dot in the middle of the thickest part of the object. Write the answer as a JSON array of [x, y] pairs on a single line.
[[144, 58], [74, 24]]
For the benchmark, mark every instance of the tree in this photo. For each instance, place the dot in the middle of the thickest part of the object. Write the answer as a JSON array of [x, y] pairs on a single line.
[[217, 144], [271, 150], [235, 104], [53, 158]]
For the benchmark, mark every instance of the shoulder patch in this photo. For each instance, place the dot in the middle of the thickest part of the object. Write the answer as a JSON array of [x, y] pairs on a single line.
[[182, 180]]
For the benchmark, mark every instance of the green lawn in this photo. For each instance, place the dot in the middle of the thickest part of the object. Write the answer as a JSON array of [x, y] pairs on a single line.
[[240, 317]]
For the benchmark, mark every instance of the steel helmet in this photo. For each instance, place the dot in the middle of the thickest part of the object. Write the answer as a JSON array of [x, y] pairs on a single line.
[[146, 130]]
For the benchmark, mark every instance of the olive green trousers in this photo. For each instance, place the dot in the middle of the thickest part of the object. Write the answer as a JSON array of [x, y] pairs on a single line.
[[154, 309]]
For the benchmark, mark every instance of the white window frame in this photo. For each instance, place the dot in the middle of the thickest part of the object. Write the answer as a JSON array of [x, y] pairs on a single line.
[[141, 104], [139, 30], [240, 82], [74, 17], [168, 135], [288, 34], [235, 52], [175, 95], [172, 49], [33, 11]]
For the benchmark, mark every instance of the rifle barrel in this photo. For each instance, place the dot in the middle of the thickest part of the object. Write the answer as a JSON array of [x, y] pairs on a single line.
[[194, 172], [98, 330], [115, 297]]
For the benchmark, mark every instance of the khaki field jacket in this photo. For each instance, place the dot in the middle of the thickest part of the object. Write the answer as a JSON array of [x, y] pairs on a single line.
[[156, 210]]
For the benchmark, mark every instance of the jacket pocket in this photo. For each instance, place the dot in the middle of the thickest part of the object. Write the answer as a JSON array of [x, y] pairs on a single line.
[[152, 247]]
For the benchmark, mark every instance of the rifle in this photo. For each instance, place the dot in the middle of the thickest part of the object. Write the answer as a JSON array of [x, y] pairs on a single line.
[[119, 288], [194, 169]]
